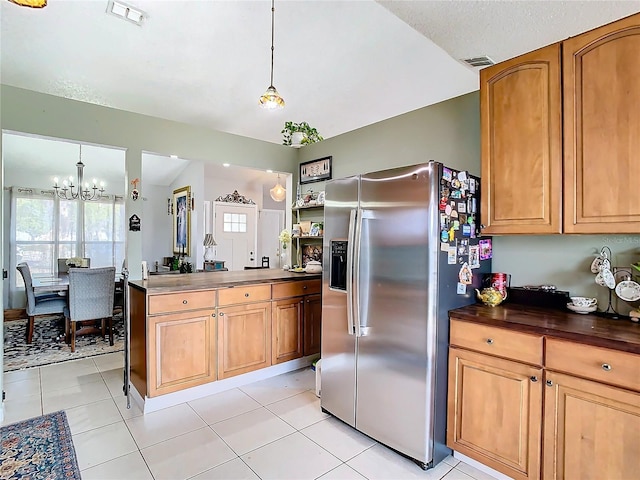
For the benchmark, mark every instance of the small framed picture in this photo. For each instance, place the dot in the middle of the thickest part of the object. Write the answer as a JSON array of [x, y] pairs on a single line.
[[315, 170]]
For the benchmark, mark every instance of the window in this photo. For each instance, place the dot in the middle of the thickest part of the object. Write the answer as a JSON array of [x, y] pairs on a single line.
[[235, 222], [45, 228]]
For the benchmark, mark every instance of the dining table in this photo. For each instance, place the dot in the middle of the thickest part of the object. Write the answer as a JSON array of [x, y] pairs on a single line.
[[57, 283]]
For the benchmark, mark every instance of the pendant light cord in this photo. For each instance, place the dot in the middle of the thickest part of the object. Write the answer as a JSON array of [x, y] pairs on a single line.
[[272, 25]]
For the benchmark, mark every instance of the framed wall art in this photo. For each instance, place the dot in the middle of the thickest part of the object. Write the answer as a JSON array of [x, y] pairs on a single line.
[[182, 221], [315, 170]]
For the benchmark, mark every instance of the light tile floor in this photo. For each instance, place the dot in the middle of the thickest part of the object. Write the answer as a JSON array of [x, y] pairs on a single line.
[[272, 429]]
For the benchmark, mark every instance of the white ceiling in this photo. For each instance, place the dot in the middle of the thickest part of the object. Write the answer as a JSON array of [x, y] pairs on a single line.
[[340, 65]]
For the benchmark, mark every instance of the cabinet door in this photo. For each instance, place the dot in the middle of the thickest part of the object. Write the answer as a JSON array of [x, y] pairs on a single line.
[[181, 351], [592, 431], [521, 136], [287, 329], [312, 324], [495, 412], [244, 338], [601, 72]]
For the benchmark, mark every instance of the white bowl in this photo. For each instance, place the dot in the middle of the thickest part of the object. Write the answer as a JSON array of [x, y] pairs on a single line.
[[313, 267]]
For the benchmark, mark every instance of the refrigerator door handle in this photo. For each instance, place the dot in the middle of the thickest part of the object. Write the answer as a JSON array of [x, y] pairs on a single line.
[[350, 255], [355, 293]]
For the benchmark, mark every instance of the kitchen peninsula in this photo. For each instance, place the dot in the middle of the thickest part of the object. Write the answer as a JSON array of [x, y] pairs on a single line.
[[195, 334]]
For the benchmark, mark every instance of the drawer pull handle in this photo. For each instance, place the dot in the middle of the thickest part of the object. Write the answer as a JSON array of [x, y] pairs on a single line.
[[533, 378], [490, 341], [549, 383], [213, 315], [304, 287], [184, 302], [606, 367], [221, 314], [246, 295]]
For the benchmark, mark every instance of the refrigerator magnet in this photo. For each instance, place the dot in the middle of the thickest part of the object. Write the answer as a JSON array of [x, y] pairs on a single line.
[[444, 236], [474, 256], [463, 247], [462, 218], [444, 247], [456, 194], [473, 231], [452, 233], [461, 289], [446, 174], [456, 225], [465, 275], [472, 185], [462, 207], [447, 209], [462, 176], [455, 183], [485, 249], [454, 214], [466, 230], [451, 256]]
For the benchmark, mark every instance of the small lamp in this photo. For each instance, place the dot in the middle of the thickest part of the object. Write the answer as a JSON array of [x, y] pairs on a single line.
[[209, 242]]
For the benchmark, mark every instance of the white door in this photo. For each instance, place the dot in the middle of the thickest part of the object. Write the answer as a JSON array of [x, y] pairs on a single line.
[[235, 234], [270, 225]]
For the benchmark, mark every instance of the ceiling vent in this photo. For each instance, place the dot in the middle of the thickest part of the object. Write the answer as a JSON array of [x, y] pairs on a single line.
[[125, 12], [479, 61]]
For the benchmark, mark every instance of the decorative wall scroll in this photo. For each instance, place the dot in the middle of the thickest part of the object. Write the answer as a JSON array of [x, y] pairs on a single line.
[[315, 170], [182, 221], [235, 197]]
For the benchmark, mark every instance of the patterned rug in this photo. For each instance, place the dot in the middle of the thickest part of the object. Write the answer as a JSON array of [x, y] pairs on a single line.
[[48, 344], [38, 448]]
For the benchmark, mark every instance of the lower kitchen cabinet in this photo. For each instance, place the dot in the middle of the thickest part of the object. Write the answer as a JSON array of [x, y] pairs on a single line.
[[312, 324], [592, 430], [286, 318], [182, 351], [244, 338], [495, 412]]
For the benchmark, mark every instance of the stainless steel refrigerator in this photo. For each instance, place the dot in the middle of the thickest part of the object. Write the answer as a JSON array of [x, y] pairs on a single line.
[[397, 257]]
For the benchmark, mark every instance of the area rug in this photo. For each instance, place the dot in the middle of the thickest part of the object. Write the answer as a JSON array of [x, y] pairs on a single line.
[[48, 344], [38, 448]]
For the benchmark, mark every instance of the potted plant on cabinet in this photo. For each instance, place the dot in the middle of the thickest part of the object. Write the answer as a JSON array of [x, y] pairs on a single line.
[[298, 134]]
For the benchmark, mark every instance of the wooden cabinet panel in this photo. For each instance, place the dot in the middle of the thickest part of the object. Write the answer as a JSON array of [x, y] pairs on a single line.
[[244, 338], [181, 301], [295, 289], [500, 342], [601, 69], [601, 364], [286, 318], [312, 324], [592, 431], [181, 351], [521, 130], [244, 294], [495, 412]]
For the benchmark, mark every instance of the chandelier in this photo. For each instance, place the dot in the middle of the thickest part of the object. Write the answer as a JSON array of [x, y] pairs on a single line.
[[30, 3], [69, 191], [271, 99]]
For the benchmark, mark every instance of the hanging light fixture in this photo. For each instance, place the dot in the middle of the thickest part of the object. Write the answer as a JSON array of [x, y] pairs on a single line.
[[69, 191], [30, 3], [271, 99], [278, 193]]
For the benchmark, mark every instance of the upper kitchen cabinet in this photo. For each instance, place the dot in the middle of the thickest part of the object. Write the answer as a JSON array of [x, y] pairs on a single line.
[[521, 119], [601, 84], [560, 131]]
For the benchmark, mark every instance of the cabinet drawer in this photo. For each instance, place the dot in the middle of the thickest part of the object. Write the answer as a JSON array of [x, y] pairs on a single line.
[[497, 341], [600, 364], [244, 294], [177, 302], [294, 289]]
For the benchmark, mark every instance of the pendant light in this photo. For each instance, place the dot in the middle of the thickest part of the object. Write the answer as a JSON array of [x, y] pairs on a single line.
[[278, 193], [271, 99], [30, 3]]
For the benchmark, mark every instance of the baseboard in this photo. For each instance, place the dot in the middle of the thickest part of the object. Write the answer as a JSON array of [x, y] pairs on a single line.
[[480, 466], [171, 399], [15, 314]]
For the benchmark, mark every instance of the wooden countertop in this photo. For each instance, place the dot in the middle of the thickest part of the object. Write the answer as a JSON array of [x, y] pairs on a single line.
[[208, 280], [588, 329]]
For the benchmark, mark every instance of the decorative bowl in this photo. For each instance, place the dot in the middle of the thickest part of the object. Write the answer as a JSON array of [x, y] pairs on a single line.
[[313, 267]]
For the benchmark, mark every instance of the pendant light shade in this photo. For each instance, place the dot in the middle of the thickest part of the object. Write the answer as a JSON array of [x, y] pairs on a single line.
[[278, 193], [30, 3], [271, 99]]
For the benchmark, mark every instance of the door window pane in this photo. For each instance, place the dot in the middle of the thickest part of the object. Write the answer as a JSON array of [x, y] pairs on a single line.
[[235, 222]]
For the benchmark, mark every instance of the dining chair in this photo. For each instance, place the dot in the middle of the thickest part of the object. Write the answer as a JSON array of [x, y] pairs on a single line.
[[40, 304], [91, 296]]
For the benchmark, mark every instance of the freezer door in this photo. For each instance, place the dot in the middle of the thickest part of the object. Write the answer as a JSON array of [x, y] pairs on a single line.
[[397, 268], [338, 349]]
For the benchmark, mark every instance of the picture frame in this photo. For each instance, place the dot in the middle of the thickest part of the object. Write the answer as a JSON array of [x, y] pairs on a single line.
[[182, 221], [315, 170]]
